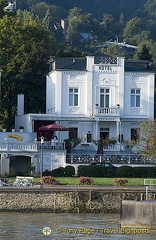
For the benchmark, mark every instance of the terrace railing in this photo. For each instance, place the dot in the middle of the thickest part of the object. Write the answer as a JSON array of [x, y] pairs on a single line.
[[114, 159]]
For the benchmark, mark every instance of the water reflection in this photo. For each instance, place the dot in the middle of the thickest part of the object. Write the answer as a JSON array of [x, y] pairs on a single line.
[[65, 226]]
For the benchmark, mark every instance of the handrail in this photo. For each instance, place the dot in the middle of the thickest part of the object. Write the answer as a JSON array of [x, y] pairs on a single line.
[[149, 186]]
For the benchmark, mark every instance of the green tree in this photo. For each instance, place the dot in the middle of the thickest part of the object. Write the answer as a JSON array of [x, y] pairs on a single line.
[[24, 14], [115, 51], [25, 47], [47, 21], [146, 50], [75, 12], [56, 13], [147, 142], [78, 22], [3, 4], [143, 52], [134, 31], [150, 8]]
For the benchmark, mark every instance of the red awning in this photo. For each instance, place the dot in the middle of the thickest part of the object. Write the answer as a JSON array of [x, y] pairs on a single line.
[[54, 127]]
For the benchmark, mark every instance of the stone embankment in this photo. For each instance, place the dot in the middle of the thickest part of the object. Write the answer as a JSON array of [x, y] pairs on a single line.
[[70, 200]]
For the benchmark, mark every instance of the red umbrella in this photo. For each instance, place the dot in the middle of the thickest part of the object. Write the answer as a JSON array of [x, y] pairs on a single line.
[[54, 127]]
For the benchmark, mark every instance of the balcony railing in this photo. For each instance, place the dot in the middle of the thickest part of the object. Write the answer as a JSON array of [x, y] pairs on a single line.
[[18, 146], [47, 145], [114, 159], [106, 111]]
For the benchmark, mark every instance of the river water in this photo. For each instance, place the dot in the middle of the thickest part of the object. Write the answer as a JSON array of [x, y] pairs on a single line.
[[24, 226]]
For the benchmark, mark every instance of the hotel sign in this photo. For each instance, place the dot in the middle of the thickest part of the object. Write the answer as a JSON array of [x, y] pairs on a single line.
[[105, 68]]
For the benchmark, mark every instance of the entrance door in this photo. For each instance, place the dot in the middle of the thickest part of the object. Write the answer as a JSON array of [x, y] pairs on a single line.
[[104, 133], [20, 163]]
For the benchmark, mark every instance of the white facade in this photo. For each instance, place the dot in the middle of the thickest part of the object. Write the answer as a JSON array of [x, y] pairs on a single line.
[[112, 96], [100, 96]]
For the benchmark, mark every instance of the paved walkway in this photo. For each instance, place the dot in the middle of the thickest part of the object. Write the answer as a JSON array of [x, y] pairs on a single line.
[[78, 188], [93, 187]]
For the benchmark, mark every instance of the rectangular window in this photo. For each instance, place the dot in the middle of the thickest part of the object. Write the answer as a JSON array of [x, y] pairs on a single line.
[[104, 97], [135, 134], [104, 133], [73, 97], [73, 133], [135, 97]]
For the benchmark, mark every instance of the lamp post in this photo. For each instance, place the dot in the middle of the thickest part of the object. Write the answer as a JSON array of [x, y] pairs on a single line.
[[120, 134], [41, 162]]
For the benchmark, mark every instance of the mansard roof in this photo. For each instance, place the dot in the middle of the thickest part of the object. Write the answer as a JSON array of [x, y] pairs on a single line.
[[79, 64], [138, 66], [69, 63]]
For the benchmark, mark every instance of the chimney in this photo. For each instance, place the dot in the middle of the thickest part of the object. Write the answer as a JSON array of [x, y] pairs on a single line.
[[20, 104]]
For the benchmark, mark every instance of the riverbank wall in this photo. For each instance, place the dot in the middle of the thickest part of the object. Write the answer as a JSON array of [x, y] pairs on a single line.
[[66, 201], [135, 214]]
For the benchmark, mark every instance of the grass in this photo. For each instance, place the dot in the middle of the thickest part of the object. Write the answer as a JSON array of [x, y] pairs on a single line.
[[101, 181], [96, 181]]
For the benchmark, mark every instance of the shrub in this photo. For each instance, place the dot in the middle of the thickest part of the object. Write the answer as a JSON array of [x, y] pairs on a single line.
[[46, 173], [96, 171], [124, 171], [151, 172], [140, 172], [69, 171], [120, 181], [58, 172], [12, 172], [48, 180], [82, 170], [85, 181], [92, 171], [68, 145], [111, 173]]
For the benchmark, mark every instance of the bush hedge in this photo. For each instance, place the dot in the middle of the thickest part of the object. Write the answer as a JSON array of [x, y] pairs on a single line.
[[124, 171], [92, 171], [69, 171], [101, 171], [140, 172], [58, 172]]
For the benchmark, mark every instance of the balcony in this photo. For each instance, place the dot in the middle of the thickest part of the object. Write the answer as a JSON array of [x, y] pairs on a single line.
[[47, 145], [27, 147], [18, 147], [98, 111]]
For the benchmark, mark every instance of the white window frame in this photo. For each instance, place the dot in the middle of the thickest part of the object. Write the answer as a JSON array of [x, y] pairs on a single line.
[[135, 97], [73, 97], [105, 94]]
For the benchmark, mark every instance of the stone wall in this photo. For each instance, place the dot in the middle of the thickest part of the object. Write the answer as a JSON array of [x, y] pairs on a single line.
[[138, 214], [89, 201]]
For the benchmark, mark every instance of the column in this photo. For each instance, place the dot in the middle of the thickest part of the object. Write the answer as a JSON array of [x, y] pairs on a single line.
[[117, 129], [96, 130]]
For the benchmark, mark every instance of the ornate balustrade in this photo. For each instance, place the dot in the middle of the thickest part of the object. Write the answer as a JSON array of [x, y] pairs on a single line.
[[18, 146], [21, 146], [107, 111], [48, 145]]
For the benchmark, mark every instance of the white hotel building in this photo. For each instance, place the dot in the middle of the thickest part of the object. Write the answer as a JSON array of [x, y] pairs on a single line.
[[98, 95]]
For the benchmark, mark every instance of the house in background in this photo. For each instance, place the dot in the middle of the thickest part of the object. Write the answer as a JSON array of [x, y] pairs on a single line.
[[86, 36], [11, 6], [96, 97]]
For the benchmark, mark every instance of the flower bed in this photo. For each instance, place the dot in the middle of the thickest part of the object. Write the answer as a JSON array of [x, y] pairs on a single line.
[[85, 181], [48, 180], [120, 181]]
